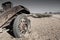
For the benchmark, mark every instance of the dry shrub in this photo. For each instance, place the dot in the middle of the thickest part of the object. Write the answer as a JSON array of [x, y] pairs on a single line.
[[41, 15]]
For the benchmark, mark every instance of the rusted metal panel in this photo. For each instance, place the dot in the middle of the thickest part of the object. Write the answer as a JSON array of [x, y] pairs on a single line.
[[8, 14]]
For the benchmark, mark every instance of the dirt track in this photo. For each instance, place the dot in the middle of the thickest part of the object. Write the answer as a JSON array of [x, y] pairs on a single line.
[[47, 28]]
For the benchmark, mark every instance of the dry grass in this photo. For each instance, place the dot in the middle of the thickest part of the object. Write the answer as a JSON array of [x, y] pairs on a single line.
[[47, 28]]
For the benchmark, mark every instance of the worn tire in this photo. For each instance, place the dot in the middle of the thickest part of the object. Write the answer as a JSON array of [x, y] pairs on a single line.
[[16, 29]]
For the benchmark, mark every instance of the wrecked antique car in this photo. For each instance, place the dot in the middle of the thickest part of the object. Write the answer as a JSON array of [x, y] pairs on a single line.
[[15, 17]]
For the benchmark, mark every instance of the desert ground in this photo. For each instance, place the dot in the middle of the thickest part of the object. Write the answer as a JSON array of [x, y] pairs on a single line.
[[46, 28]]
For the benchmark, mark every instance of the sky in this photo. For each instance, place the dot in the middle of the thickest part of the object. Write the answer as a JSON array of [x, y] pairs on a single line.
[[37, 6]]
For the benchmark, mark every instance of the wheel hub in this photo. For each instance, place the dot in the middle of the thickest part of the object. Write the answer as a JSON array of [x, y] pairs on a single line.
[[23, 26]]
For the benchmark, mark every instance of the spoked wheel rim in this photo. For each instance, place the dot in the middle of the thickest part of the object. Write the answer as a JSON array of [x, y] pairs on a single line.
[[23, 26]]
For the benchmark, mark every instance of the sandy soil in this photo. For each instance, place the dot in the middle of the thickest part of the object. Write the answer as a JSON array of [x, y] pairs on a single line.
[[47, 28]]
